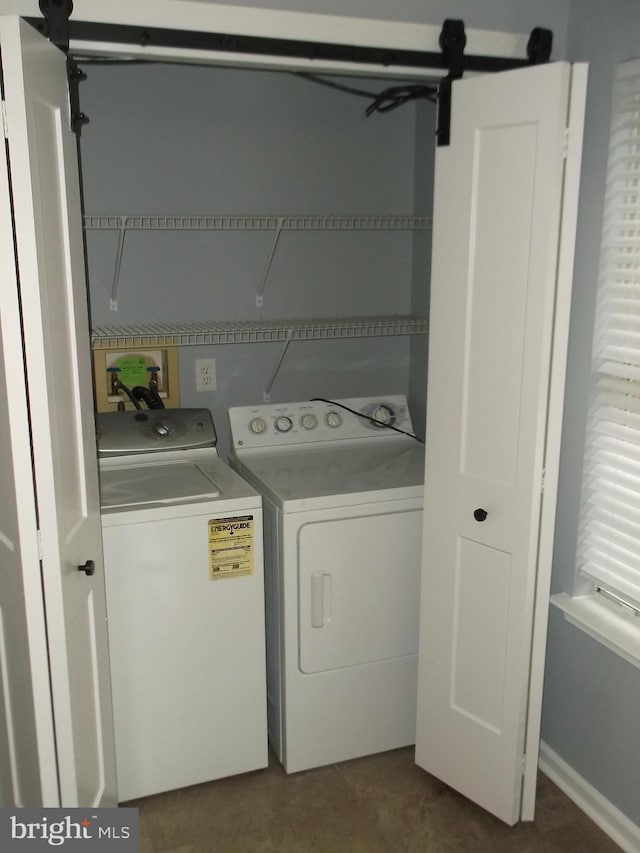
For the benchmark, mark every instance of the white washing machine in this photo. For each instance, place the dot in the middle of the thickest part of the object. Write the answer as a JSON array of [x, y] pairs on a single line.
[[183, 552], [342, 502]]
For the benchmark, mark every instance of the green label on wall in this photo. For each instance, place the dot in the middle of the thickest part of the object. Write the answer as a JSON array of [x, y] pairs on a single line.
[[133, 370]]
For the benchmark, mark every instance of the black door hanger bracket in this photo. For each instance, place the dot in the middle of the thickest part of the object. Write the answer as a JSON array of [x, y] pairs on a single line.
[[452, 43], [56, 14]]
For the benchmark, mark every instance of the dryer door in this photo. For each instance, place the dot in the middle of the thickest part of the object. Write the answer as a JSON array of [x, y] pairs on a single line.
[[358, 583]]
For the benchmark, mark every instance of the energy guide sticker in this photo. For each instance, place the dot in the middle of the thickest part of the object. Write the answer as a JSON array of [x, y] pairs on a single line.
[[230, 547]]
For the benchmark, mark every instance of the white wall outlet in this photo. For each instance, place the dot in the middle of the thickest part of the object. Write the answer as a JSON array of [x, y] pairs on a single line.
[[206, 374]]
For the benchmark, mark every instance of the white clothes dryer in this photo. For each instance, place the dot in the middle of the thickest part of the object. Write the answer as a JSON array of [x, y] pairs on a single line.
[[342, 502], [183, 550]]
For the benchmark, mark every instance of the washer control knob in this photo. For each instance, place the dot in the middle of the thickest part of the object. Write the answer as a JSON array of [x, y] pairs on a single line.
[[309, 421], [257, 425], [161, 429], [283, 423], [333, 419], [384, 415]]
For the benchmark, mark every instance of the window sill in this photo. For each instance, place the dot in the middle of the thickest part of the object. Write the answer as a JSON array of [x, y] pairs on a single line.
[[604, 621]]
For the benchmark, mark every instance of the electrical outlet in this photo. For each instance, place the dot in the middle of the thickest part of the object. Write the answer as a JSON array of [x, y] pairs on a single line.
[[205, 374]]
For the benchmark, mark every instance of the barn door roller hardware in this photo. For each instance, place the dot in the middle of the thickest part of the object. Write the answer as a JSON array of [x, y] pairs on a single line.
[[452, 43], [234, 43], [60, 29], [56, 14]]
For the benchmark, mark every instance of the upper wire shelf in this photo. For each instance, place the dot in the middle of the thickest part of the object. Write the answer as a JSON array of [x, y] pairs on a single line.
[[277, 223], [267, 331]]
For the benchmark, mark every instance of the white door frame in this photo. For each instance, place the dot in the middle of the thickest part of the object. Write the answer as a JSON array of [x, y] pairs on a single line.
[[557, 380]]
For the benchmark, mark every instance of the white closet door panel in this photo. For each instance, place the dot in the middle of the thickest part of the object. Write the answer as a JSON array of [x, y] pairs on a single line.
[[481, 589], [48, 234], [498, 200], [28, 774]]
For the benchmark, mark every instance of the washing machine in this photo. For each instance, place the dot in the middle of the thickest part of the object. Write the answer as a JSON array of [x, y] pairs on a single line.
[[183, 546], [342, 487]]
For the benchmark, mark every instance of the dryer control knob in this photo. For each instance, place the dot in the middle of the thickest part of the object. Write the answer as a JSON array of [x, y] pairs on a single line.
[[283, 423], [257, 425], [333, 419], [384, 415], [309, 421]]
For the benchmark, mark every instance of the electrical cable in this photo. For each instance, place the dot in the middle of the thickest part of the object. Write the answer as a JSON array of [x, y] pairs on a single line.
[[381, 102], [366, 417], [396, 96]]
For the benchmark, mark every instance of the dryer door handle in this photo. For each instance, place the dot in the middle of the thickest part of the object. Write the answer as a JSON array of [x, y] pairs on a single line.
[[320, 599]]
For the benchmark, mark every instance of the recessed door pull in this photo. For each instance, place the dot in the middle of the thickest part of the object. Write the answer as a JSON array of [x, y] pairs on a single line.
[[88, 568], [480, 514]]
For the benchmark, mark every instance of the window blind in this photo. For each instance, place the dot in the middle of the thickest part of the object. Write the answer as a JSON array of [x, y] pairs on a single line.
[[609, 534]]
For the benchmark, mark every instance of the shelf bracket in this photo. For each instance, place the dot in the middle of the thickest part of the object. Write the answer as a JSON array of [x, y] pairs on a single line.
[[113, 302], [265, 275], [266, 397]]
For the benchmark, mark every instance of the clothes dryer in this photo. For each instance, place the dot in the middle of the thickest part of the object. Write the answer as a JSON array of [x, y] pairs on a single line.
[[182, 536], [342, 500]]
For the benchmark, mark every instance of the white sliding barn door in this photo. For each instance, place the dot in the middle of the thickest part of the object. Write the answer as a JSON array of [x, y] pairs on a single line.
[[51, 478], [496, 363]]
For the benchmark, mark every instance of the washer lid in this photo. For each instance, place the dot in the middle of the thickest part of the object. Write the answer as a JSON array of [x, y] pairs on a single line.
[[138, 485]]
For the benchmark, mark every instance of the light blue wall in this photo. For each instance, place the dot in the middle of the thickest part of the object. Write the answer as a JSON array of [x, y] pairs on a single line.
[[170, 139], [187, 140], [591, 712]]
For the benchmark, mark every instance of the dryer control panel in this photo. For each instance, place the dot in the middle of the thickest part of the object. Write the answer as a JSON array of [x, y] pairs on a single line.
[[316, 421]]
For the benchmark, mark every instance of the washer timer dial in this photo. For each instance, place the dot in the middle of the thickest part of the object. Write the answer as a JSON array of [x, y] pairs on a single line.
[[161, 429]]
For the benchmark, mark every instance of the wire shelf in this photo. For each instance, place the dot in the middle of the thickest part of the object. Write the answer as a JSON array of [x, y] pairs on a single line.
[[224, 222], [273, 331]]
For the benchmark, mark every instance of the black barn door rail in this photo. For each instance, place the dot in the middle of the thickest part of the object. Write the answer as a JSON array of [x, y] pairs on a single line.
[[60, 28]]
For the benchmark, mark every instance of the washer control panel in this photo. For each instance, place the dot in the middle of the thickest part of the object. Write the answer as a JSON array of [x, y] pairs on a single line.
[[284, 424], [148, 431]]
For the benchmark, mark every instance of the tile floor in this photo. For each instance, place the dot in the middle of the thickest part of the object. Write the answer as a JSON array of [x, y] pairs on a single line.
[[379, 804]]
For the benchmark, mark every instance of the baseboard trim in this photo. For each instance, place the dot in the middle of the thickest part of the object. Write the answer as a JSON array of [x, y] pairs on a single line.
[[611, 820]]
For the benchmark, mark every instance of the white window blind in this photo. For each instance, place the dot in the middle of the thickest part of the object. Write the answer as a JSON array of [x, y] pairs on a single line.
[[609, 538]]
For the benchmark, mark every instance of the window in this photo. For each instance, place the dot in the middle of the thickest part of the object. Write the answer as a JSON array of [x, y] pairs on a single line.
[[609, 535]]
